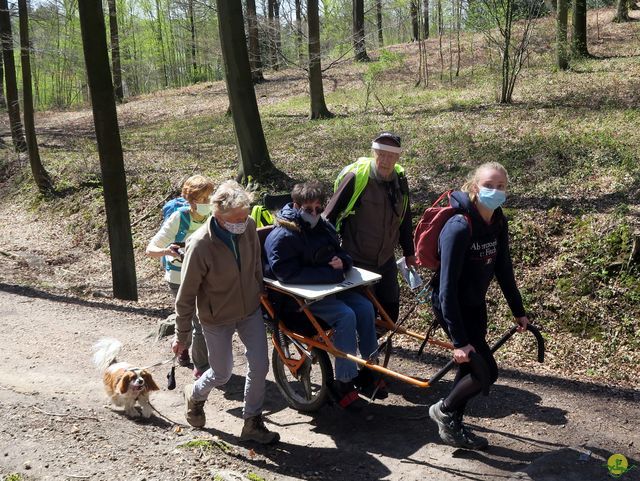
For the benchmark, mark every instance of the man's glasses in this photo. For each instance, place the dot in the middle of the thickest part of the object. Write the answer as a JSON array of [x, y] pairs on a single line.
[[311, 211]]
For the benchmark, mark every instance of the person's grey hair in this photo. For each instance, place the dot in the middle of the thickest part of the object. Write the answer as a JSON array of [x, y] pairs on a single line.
[[230, 195]]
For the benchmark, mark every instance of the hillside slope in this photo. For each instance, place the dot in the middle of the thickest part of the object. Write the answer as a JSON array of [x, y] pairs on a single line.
[[570, 142]]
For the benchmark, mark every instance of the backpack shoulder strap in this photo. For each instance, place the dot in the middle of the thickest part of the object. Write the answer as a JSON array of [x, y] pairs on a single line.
[[185, 222]]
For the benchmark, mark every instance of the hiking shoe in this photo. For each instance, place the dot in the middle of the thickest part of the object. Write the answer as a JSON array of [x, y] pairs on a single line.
[[193, 410], [452, 431], [468, 439], [347, 396], [447, 425], [183, 359], [197, 373], [369, 383], [255, 430]]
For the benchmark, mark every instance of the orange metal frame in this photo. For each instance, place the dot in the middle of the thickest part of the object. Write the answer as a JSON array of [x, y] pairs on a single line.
[[322, 339]]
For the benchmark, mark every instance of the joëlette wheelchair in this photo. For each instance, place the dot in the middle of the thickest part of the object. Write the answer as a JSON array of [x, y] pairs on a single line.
[[302, 342]]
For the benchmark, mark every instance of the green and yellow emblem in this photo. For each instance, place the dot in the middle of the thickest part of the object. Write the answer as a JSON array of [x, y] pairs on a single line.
[[618, 465]]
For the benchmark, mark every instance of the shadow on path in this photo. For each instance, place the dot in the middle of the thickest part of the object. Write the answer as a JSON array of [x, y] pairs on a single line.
[[27, 291]]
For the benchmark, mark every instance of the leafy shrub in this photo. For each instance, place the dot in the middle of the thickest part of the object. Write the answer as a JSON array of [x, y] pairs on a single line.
[[375, 72]]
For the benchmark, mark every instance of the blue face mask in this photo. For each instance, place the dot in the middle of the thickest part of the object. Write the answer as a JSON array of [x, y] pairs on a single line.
[[491, 198]]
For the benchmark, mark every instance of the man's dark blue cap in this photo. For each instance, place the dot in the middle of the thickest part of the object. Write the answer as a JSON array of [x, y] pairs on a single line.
[[388, 136]]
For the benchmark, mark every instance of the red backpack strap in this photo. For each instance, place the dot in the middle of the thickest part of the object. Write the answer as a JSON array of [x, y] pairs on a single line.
[[446, 194]]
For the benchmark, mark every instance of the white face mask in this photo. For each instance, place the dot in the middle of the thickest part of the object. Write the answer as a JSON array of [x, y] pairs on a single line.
[[236, 228], [311, 219], [203, 209]]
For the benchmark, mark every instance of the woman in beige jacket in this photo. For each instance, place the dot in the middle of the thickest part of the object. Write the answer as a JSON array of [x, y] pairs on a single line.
[[222, 278]]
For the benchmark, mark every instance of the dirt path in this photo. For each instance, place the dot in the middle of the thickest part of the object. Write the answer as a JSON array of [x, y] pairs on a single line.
[[56, 426]]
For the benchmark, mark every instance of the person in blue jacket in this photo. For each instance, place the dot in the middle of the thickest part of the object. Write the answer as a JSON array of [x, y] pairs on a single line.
[[474, 248], [303, 248]]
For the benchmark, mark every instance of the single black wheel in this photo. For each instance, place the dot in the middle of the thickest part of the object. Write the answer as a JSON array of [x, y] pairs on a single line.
[[306, 391]]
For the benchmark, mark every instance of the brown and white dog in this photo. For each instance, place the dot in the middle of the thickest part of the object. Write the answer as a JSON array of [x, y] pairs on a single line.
[[124, 383]]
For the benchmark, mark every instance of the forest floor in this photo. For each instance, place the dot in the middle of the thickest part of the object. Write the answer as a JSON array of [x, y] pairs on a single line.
[[56, 425], [571, 144]]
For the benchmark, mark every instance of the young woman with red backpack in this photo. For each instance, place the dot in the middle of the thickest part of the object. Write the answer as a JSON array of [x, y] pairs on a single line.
[[474, 248]]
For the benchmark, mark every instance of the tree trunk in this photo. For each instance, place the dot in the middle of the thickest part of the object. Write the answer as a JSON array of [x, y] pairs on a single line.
[[277, 36], [273, 54], [440, 32], [192, 29], [254, 43], [379, 22], [458, 4], [105, 118], [622, 14], [40, 175], [579, 40], [135, 76], [3, 101], [252, 147], [425, 16], [13, 104], [505, 94], [359, 45], [319, 108], [115, 51], [415, 28], [298, 6], [562, 52], [160, 39]]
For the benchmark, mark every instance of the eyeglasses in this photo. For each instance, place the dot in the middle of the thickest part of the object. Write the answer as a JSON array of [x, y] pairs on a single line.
[[311, 211]]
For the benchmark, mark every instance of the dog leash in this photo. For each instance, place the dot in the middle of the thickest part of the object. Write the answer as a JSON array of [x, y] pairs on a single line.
[[171, 376], [161, 363]]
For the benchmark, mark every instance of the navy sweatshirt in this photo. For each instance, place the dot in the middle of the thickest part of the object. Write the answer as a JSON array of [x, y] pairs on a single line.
[[298, 254], [469, 259]]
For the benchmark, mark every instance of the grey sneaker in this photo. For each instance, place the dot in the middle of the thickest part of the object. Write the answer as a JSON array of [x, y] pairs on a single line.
[[193, 410], [467, 438], [255, 430], [452, 431], [446, 423]]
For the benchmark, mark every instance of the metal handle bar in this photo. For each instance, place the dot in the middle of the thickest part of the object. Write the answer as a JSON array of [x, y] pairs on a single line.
[[479, 367], [533, 330]]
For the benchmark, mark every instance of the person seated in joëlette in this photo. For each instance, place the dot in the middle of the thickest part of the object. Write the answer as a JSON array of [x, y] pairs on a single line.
[[303, 248]]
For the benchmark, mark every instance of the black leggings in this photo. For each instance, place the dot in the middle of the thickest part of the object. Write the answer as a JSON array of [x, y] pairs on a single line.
[[465, 384]]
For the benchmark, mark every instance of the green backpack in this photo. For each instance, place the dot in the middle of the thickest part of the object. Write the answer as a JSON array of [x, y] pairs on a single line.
[[261, 215]]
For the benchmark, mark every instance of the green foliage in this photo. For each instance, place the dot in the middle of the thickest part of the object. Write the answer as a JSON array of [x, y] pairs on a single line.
[[376, 71], [207, 445], [254, 477], [532, 236], [387, 61], [13, 477], [594, 269]]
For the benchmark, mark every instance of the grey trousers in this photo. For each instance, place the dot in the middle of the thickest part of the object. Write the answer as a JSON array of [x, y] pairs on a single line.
[[199, 354], [219, 341]]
